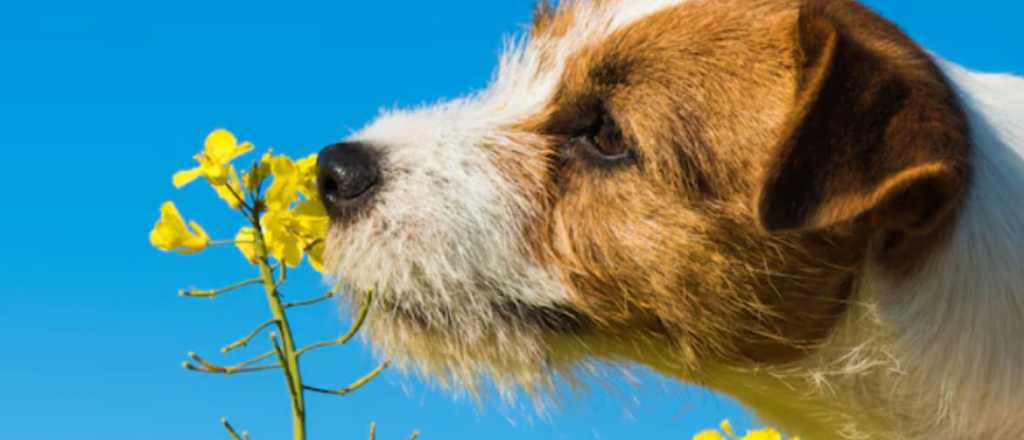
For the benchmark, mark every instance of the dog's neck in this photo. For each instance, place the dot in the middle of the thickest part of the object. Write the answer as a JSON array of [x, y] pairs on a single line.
[[938, 355]]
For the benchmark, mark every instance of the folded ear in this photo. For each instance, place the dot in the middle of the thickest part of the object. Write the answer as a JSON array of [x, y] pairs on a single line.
[[876, 132]]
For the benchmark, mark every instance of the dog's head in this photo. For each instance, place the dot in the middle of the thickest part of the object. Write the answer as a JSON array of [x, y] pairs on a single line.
[[705, 175]]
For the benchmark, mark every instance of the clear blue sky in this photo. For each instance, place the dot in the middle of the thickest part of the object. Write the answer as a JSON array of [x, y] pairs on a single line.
[[101, 101]]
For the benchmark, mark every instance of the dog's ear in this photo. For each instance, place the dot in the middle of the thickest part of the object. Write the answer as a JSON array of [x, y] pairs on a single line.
[[876, 131]]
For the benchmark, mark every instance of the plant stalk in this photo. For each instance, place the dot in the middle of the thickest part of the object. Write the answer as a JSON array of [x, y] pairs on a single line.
[[293, 375]]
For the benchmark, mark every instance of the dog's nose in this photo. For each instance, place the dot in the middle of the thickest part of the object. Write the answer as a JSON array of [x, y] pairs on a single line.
[[345, 173]]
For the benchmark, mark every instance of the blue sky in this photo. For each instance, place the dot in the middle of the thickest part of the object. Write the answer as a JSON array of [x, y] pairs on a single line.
[[100, 102]]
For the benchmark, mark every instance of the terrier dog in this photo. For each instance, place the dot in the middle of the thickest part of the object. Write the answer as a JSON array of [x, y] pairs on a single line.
[[788, 201]]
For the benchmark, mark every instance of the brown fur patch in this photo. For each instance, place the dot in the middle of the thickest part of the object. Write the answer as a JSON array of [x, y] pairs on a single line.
[[711, 96]]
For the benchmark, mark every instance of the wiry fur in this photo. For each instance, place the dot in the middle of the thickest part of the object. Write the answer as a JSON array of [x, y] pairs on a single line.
[[496, 251], [440, 240]]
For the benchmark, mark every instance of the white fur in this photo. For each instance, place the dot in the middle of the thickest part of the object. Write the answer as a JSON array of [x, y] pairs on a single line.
[[957, 325]]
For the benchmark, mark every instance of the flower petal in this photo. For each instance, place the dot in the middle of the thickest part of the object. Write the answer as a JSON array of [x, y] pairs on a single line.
[[310, 220], [219, 145], [289, 252], [709, 435], [316, 257], [763, 434], [161, 239], [169, 230], [182, 178], [170, 233], [240, 149], [245, 241], [285, 188], [194, 242], [231, 188], [727, 427], [307, 177]]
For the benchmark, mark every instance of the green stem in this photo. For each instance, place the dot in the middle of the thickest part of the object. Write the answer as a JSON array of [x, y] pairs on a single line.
[[207, 367], [359, 383], [231, 429], [218, 292], [358, 324], [310, 302], [219, 243], [290, 361], [248, 338]]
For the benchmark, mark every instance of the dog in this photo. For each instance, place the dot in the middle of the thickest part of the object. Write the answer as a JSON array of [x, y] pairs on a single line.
[[787, 201]]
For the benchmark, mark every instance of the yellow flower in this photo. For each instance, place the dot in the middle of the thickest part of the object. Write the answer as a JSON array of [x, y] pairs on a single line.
[[260, 171], [306, 226], [293, 221], [281, 245], [285, 188], [316, 256], [727, 428], [289, 234], [219, 150], [310, 220], [307, 172], [231, 191], [221, 147], [172, 235], [763, 434], [281, 242], [709, 435], [245, 241]]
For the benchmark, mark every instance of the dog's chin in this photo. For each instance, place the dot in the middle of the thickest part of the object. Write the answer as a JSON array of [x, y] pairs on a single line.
[[480, 319], [457, 297], [462, 348]]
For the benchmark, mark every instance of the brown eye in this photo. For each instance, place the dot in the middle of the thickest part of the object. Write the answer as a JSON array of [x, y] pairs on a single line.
[[603, 141]]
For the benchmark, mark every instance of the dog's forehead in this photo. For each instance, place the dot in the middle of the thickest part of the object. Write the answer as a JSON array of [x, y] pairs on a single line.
[[529, 71], [611, 14]]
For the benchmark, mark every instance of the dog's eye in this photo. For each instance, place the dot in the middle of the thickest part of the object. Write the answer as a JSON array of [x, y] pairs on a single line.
[[604, 141]]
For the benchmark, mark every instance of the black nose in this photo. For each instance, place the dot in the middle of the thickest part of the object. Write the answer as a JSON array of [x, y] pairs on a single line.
[[345, 173]]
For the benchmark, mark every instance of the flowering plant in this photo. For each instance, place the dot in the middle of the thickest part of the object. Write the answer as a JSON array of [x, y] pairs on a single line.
[[285, 224]]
